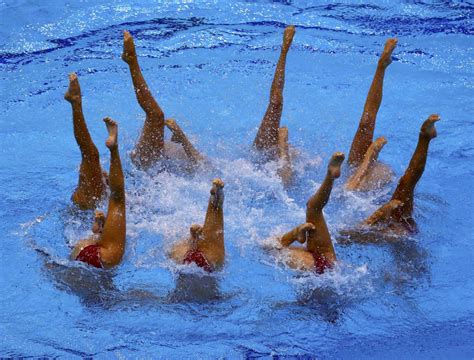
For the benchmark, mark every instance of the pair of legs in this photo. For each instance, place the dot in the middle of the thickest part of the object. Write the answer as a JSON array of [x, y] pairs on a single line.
[[110, 229], [368, 172], [150, 147], [319, 252], [205, 246], [271, 139], [397, 214], [92, 182]]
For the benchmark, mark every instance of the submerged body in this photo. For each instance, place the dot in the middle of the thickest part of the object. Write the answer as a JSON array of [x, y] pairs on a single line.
[[319, 253], [271, 140], [205, 247], [150, 147], [106, 247], [396, 216]]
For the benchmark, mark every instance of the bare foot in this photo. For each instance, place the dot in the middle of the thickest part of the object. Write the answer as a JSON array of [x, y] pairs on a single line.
[[386, 57], [73, 93], [288, 37], [303, 232], [379, 143], [334, 167], [177, 136], [129, 54], [217, 194], [112, 128], [428, 128]]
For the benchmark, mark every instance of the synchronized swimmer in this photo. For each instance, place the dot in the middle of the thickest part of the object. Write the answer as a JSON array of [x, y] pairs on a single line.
[[205, 244]]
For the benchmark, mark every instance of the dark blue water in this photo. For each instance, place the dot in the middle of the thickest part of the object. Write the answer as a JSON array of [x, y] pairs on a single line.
[[210, 65]]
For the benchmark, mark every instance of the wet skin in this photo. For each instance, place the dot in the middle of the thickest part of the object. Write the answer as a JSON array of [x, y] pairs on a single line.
[[150, 147], [271, 140], [110, 232], [314, 232], [209, 238], [374, 174], [396, 216], [92, 179]]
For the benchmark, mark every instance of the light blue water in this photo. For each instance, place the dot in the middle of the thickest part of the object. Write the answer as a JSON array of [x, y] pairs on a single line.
[[210, 66]]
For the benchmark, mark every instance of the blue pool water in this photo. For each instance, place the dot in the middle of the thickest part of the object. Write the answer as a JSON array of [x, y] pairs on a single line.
[[210, 65]]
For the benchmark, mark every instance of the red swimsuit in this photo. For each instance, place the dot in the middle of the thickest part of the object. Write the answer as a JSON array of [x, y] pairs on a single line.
[[320, 263], [90, 255], [197, 257]]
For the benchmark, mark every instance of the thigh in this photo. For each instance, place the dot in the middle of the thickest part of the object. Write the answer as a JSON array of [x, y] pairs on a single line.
[[298, 258]]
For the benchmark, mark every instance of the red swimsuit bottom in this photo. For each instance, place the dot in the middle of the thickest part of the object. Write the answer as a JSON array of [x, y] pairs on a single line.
[[90, 255], [320, 263], [197, 257]]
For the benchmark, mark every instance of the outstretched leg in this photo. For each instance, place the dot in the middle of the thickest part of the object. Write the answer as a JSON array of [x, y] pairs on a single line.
[[406, 186], [267, 135], [212, 243], [91, 185], [112, 242], [285, 171], [365, 132], [319, 241], [149, 147], [360, 179], [180, 137]]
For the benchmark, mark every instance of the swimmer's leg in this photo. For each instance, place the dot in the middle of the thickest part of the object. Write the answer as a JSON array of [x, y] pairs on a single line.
[[358, 181], [91, 185], [299, 233], [365, 132], [406, 186], [212, 243], [319, 200], [286, 170], [150, 145], [319, 241], [384, 213], [267, 135], [112, 241], [180, 137]]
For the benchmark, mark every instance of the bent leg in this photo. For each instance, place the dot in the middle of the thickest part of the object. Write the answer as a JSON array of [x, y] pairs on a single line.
[[360, 179], [267, 135], [180, 137], [112, 242], [365, 132], [91, 185], [319, 240], [299, 233], [150, 145]]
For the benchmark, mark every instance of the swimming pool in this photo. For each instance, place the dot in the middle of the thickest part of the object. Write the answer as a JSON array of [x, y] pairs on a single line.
[[210, 65]]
